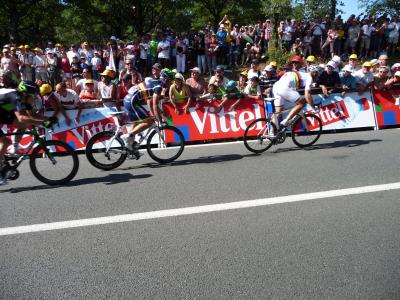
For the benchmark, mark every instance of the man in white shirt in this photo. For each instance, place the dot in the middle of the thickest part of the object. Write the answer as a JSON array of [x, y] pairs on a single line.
[[69, 99], [366, 31], [38, 64], [393, 37], [254, 71], [364, 77], [163, 51]]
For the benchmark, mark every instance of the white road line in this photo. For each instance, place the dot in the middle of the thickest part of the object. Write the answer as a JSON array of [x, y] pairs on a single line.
[[215, 144], [197, 209]]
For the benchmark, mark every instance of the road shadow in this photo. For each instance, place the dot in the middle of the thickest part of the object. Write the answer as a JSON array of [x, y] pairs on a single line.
[[333, 145], [110, 179], [210, 159]]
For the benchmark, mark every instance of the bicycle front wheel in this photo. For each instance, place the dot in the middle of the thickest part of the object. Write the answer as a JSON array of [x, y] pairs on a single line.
[[306, 130], [165, 144], [258, 136], [106, 151], [54, 162]]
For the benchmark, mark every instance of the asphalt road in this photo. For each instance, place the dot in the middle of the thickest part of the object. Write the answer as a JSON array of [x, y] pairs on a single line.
[[345, 247]]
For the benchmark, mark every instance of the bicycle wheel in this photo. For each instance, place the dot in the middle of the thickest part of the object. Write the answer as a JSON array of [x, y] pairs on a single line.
[[306, 130], [106, 152], [255, 136], [54, 162], [166, 145]]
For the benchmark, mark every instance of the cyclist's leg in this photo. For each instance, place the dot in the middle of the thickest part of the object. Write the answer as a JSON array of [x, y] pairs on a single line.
[[20, 128], [299, 101], [6, 117], [155, 109]]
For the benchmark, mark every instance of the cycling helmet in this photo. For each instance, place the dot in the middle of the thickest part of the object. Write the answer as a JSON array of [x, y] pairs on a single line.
[[45, 89], [230, 85], [28, 87], [313, 68], [296, 59], [167, 74]]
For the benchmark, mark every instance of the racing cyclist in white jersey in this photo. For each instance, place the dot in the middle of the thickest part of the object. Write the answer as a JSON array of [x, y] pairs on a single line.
[[286, 89]]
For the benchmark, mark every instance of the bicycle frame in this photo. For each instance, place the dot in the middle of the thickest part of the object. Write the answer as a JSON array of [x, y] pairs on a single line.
[[37, 139]]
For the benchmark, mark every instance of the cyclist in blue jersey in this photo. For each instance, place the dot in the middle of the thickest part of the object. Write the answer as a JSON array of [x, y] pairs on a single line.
[[134, 101]]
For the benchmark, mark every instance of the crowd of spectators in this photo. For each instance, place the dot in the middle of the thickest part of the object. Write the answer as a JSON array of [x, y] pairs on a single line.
[[352, 55]]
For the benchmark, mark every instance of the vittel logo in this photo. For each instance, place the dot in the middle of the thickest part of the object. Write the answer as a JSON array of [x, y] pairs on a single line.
[[224, 121]]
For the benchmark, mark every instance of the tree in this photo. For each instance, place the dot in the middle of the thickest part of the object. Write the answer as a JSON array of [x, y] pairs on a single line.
[[390, 7]]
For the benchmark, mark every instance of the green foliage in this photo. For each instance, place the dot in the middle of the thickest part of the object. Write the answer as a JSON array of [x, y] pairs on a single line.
[[390, 7], [277, 54], [72, 21]]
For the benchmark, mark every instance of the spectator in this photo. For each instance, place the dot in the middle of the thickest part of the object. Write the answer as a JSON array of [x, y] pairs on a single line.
[[242, 83], [364, 77], [143, 61], [267, 80], [39, 65], [353, 35], [179, 93], [196, 83], [330, 41], [199, 48], [25, 62], [223, 48], [353, 59], [87, 74], [66, 68], [254, 71], [76, 71], [88, 96], [393, 37], [395, 80], [50, 101], [107, 91], [219, 79], [252, 89], [97, 65], [381, 78], [229, 92], [180, 55], [347, 80], [329, 79], [130, 69], [163, 51], [123, 88], [68, 100], [212, 51], [153, 53], [366, 31]]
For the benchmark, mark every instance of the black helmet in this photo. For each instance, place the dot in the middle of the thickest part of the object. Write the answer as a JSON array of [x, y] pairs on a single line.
[[28, 87]]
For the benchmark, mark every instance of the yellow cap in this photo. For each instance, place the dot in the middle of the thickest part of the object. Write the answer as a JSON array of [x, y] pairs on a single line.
[[85, 44], [367, 64], [21, 46], [244, 73], [353, 56], [27, 47], [45, 89], [273, 63], [311, 58], [37, 49], [58, 45], [89, 81], [107, 73], [13, 48]]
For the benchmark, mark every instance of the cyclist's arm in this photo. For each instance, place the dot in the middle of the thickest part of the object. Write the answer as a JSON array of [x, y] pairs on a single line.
[[24, 118]]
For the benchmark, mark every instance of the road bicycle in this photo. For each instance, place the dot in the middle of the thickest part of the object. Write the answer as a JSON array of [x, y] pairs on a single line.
[[261, 134], [53, 162], [107, 150]]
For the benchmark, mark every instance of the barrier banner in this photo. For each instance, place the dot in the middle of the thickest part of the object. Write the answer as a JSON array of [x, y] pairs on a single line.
[[353, 110], [203, 123], [76, 135], [387, 107]]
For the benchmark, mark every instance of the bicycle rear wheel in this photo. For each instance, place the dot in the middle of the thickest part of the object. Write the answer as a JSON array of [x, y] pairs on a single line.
[[106, 152], [166, 145], [256, 135], [54, 162], [306, 130]]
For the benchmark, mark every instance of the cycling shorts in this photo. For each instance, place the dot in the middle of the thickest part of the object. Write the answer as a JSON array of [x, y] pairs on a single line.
[[285, 94], [135, 112]]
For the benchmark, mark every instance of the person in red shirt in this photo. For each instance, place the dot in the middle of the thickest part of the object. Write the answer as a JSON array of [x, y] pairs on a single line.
[[123, 88], [66, 68]]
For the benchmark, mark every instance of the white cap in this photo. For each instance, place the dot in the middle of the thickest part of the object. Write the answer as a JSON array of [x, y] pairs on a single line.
[[396, 65], [331, 63], [268, 68], [179, 76], [347, 68], [397, 74], [196, 69], [336, 59]]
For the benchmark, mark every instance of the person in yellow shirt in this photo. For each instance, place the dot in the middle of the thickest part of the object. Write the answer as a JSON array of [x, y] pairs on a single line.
[[179, 93]]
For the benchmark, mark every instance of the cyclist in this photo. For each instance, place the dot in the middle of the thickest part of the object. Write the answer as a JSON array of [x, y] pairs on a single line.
[[286, 89], [15, 106], [133, 105]]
